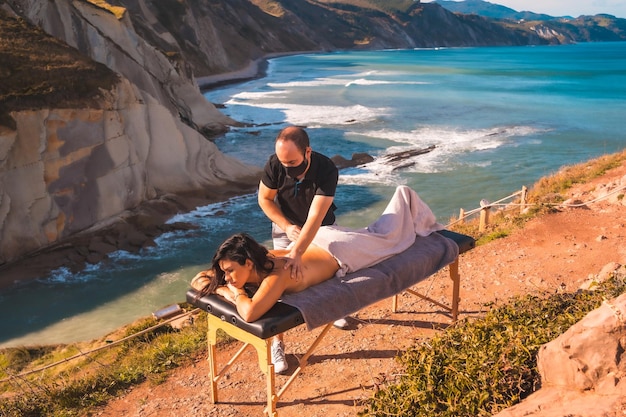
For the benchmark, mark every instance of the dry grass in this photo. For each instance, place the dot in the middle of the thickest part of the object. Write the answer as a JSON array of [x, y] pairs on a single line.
[[543, 197], [569, 176], [38, 71]]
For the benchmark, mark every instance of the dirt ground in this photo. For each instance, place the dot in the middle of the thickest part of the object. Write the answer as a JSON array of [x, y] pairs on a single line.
[[556, 252]]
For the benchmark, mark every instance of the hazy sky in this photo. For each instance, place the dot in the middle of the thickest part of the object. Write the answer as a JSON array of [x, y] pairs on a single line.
[[565, 7]]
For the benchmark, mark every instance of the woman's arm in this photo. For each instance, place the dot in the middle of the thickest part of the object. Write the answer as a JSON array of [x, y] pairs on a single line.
[[270, 290]]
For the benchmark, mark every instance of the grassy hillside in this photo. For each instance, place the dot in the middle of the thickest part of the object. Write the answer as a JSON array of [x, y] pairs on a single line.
[[37, 70]]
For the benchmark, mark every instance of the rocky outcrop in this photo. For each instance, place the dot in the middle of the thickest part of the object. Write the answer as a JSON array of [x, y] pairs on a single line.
[[68, 170], [107, 35], [583, 371], [396, 160]]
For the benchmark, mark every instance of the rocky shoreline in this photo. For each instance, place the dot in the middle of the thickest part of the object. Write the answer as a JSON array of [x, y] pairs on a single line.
[[131, 231]]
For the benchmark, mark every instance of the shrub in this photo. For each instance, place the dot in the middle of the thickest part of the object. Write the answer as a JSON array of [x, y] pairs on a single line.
[[479, 367]]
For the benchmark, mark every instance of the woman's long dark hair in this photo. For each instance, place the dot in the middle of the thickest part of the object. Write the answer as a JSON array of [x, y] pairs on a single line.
[[238, 248]]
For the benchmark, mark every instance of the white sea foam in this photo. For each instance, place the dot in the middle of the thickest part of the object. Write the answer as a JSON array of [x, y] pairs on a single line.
[[369, 175], [316, 82], [60, 275], [256, 95], [319, 116], [363, 78], [213, 210], [366, 82], [64, 275], [448, 142]]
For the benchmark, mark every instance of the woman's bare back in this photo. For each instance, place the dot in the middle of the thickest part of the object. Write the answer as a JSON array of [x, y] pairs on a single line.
[[317, 266]]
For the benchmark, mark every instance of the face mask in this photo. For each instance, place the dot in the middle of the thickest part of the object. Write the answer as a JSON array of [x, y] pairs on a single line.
[[296, 171]]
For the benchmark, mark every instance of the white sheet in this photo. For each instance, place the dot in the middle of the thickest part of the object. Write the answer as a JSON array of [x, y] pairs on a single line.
[[405, 216]]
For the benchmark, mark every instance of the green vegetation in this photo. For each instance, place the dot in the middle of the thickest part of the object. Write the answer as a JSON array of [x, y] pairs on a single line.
[[474, 368], [480, 367], [75, 385]]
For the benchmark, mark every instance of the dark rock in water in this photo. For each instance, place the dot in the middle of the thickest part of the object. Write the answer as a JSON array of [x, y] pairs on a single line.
[[358, 158], [397, 159]]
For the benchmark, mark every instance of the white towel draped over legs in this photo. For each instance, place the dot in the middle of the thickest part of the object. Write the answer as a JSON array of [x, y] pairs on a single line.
[[405, 216]]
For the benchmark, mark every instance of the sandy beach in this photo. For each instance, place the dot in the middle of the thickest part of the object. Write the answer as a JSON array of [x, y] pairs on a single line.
[[255, 69]]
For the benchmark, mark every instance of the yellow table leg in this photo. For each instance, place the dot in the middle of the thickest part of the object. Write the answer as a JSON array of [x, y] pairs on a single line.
[[456, 288], [262, 347], [212, 367]]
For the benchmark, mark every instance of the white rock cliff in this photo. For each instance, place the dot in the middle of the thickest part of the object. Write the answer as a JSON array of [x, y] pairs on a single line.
[[63, 171]]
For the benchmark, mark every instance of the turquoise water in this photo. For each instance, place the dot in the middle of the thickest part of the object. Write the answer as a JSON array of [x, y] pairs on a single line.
[[500, 118]]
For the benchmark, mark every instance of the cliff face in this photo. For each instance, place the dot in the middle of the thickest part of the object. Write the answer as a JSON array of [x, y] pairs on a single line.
[[67, 167], [219, 36], [107, 36]]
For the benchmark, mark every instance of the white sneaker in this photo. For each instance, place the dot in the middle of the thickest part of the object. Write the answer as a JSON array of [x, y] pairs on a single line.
[[278, 357], [341, 324]]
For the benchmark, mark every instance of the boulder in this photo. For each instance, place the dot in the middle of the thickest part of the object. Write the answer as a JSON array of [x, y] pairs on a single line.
[[583, 371]]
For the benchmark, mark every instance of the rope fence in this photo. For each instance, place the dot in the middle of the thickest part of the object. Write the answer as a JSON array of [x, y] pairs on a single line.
[[518, 199], [107, 346], [485, 208]]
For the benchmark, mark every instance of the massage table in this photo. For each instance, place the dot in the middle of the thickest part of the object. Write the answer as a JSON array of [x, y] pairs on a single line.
[[313, 308]]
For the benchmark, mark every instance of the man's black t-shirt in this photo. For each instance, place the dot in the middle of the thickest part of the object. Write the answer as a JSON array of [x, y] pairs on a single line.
[[295, 197]]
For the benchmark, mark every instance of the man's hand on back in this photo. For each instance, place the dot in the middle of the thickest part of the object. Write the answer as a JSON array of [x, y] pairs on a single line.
[[294, 261]]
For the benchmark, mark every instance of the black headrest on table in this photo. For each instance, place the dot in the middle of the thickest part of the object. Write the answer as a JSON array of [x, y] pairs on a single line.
[[280, 318], [464, 242]]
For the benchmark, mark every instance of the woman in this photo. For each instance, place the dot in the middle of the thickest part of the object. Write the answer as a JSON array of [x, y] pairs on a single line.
[[240, 260]]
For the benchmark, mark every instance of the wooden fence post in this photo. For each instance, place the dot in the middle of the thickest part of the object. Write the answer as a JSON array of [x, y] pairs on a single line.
[[484, 215], [461, 216], [523, 199], [484, 219]]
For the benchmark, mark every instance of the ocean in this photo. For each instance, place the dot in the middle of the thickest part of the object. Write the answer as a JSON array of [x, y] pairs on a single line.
[[499, 118]]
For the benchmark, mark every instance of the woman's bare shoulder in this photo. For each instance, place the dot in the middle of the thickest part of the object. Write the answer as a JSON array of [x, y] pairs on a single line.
[[277, 253]]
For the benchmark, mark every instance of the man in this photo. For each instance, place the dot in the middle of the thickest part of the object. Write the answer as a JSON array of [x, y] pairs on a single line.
[[296, 193]]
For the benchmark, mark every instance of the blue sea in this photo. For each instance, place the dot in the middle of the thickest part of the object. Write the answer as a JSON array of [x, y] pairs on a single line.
[[499, 118]]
